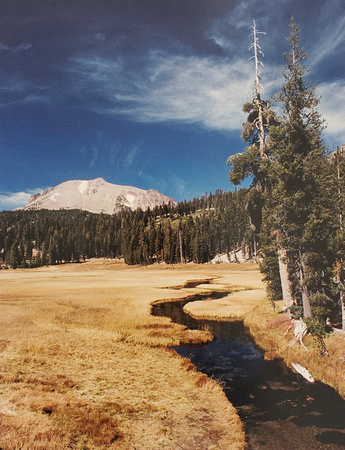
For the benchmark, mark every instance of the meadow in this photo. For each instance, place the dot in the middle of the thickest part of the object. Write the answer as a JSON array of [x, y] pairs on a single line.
[[84, 364]]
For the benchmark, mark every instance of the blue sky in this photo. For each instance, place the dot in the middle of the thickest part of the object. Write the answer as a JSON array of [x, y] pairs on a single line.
[[147, 93]]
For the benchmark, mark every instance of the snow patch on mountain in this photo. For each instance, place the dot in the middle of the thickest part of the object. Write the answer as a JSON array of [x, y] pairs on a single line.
[[53, 197], [130, 198], [83, 186]]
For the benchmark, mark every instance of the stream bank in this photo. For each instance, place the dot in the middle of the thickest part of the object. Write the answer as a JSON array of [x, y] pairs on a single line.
[[279, 408]]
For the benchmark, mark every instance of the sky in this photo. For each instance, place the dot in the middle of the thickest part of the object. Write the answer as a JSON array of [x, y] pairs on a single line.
[[148, 93]]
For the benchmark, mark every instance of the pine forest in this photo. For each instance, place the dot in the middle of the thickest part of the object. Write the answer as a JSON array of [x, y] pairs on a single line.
[[193, 231]]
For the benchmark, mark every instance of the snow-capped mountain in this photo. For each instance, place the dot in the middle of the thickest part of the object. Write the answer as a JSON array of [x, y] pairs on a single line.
[[97, 196]]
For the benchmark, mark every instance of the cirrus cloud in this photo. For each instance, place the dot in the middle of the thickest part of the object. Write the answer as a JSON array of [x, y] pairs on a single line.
[[190, 89]]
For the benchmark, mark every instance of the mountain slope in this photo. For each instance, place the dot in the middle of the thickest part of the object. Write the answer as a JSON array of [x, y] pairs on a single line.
[[97, 196]]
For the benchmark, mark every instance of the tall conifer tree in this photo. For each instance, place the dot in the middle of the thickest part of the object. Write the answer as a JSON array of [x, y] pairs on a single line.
[[295, 170]]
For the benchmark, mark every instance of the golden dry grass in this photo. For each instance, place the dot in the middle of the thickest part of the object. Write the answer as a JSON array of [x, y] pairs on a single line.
[[84, 365]]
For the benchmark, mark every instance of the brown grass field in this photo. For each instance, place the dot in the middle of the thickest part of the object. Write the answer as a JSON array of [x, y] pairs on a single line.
[[85, 366]]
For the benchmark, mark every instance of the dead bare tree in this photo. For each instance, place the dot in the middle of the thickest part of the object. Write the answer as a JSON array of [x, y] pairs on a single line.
[[258, 87]]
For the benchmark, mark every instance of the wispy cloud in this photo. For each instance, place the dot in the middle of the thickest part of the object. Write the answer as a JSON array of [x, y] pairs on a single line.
[[14, 84], [192, 89], [234, 27], [180, 186], [24, 46], [12, 200], [162, 87], [330, 37], [94, 156], [332, 107], [28, 99], [114, 152], [17, 90], [131, 155]]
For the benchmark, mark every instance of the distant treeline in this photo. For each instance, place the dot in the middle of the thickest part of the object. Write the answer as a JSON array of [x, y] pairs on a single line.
[[195, 230]]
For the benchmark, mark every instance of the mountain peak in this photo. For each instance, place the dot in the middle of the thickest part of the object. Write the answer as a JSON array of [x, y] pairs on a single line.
[[97, 196]]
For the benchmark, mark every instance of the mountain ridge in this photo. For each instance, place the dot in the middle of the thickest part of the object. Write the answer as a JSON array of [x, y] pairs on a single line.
[[97, 196]]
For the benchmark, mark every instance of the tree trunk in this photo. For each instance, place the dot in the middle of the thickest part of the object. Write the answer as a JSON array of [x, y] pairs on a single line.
[[340, 154], [303, 288], [258, 88], [342, 296], [342, 299], [284, 279], [262, 129], [180, 242]]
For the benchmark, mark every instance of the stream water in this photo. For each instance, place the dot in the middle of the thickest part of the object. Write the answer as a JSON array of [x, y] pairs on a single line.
[[280, 409]]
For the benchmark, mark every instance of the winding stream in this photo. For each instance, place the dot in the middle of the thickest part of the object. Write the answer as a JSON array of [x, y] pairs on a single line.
[[280, 409]]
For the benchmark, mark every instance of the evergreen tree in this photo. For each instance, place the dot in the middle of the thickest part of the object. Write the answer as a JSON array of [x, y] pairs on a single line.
[[14, 257], [297, 158]]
